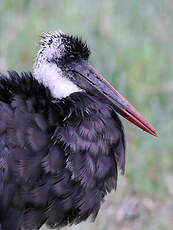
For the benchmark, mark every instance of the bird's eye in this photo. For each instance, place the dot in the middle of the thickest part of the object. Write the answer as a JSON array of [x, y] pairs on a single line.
[[71, 58]]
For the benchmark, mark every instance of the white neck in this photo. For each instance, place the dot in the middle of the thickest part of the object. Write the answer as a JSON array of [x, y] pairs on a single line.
[[52, 77]]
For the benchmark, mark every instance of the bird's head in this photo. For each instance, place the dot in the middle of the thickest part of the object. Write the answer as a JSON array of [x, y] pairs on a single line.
[[61, 49], [56, 61], [62, 66]]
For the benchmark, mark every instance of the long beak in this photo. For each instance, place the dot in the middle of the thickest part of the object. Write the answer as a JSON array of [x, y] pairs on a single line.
[[123, 107]]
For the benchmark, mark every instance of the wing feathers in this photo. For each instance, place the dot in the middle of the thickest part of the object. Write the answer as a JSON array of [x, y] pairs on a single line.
[[58, 159]]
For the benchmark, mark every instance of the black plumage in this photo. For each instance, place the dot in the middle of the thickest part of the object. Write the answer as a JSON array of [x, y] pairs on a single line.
[[61, 139], [58, 158]]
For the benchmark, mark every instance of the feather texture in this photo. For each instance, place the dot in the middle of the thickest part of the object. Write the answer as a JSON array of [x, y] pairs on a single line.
[[58, 158]]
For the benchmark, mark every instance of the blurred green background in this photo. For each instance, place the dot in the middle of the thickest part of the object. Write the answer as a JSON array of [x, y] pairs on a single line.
[[132, 46]]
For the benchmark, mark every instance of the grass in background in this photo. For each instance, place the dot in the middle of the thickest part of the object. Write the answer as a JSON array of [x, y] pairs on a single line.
[[131, 44]]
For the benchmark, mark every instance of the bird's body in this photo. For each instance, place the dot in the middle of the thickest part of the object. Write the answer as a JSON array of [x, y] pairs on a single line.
[[59, 150], [52, 154]]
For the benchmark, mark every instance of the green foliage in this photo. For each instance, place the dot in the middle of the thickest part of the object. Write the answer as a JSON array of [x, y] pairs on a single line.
[[131, 43]]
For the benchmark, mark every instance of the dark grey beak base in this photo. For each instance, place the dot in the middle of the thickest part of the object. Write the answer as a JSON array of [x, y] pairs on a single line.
[[90, 80]]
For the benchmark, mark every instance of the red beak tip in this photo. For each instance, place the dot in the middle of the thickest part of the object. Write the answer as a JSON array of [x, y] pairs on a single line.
[[125, 108], [156, 134]]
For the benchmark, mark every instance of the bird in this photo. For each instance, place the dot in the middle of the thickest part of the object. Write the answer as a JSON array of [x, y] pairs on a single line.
[[61, 138]]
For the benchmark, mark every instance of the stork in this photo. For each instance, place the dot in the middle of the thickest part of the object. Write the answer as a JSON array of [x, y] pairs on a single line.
[[61, 139]]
